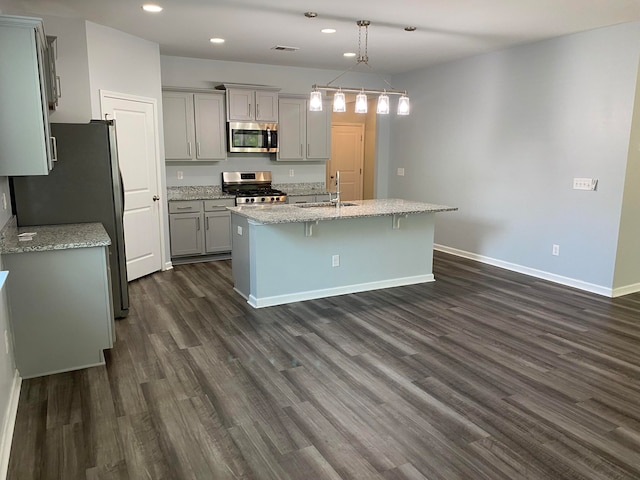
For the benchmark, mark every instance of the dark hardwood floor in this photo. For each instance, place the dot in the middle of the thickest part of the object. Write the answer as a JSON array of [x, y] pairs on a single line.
[[484, 374]]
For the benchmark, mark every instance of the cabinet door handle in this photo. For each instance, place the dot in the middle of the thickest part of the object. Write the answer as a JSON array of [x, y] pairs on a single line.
[[301, 150], [250, 111], [197, 149], [184, 208], [58, 86], [307, 150], [54, 149], [198, 220], [207, 223], [189, 146], [257, 111]]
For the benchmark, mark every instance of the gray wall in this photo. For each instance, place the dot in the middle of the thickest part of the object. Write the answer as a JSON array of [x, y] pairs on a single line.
[[502, 135]]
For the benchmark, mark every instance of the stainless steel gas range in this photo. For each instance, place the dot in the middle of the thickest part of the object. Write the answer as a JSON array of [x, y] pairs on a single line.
[[252, 188]]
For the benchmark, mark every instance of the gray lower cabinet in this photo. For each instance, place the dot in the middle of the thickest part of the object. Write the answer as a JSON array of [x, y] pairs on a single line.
[[61, 311], [323, 197], [200, 227]]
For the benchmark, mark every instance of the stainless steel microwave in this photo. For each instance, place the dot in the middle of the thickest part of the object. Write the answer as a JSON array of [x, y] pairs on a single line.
[[252, 137]]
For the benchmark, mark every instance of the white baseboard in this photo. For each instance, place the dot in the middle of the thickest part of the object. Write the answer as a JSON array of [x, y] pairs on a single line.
[[552, 277], [332, 292], [9, 425], [167, 266], [626, 290]]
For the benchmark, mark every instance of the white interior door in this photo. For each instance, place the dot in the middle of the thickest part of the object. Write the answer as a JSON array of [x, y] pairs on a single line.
[[347, 157], [137, 138]]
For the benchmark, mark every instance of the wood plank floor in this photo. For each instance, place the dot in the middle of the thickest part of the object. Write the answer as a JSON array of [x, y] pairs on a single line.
[[484, 374]]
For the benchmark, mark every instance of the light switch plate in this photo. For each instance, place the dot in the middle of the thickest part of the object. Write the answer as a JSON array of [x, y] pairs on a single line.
[[401, 172]]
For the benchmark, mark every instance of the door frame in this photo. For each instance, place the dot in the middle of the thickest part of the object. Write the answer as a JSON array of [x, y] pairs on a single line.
[[362, 160], [162, 192]]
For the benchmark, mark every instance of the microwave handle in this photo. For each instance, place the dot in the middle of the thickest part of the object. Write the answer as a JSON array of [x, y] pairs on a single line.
[[268, 145], [273, 140]]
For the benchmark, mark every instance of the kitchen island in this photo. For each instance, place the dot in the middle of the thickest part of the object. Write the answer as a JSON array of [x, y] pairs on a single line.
[[289, 253]]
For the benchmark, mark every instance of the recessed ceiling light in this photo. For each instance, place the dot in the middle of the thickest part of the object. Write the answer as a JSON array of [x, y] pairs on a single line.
[[349, 54], [149, 7], [328, 30], [216, 40]]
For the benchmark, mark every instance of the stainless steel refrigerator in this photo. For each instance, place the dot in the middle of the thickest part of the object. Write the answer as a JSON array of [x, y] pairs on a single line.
[[85, 185]]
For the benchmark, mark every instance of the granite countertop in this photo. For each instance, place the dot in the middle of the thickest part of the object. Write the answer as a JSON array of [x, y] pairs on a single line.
[[302, 188], [53, 237], [205, 192], [269, 214]]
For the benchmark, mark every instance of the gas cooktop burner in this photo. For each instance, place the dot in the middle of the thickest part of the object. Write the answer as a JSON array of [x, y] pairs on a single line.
[[251, 188]]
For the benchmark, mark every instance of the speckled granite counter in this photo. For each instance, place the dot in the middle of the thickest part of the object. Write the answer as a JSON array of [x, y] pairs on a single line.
[[310, 213], [53, 237], [205, 192]]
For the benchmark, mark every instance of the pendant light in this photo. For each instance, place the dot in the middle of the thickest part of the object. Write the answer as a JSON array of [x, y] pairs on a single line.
[[315, 101], [361, 102], [383, 104], [339, 103], [403, 105]]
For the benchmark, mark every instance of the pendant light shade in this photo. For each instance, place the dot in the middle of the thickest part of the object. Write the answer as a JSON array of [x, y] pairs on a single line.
[[315, 101], [339, 102], [383, 104], [403, 105], [361, 103]]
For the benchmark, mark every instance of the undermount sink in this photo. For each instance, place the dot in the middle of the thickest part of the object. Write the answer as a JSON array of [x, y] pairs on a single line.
[[324, 205]]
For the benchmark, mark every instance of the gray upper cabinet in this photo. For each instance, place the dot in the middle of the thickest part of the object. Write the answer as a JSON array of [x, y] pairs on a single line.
[[250, 105], [26, 146], [194, 126], [303, 135]]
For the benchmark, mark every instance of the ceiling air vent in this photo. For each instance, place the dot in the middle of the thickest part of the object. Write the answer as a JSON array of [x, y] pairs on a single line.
[[284, 48]]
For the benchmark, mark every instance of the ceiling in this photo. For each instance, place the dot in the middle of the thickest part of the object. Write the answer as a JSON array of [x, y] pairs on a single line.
[[445, 29]]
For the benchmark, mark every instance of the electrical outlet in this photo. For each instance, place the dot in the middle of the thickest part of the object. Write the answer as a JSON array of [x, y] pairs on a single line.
[[335, 261], [555, 250], [291, 172], [401, 172], [585, 184], [180, 175], [239, 230]]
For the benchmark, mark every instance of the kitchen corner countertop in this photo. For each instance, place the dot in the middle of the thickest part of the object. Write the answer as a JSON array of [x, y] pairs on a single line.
[[204, 192], [317, 188], [273, 214], [53, 237]]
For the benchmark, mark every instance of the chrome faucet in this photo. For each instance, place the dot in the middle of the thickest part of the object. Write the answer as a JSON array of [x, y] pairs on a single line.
[[336, 200]]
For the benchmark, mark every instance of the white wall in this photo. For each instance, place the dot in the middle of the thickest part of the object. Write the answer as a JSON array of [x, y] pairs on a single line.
[[198, 73], [502, 135]]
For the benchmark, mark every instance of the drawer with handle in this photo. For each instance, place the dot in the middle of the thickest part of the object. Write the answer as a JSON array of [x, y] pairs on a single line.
[[220, 204], [189, 206]]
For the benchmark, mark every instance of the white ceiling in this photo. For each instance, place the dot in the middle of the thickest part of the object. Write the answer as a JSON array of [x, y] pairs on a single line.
[[446, 29]]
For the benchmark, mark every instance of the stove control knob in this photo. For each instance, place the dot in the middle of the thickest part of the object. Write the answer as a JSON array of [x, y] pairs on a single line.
[[253, 200], [273, 199], [262, 199]]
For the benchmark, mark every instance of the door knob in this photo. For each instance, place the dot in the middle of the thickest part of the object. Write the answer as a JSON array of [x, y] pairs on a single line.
[[156, 198]]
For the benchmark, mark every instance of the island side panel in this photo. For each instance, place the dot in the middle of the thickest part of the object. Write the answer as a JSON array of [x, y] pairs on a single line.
[[287, 266], [240, 256]]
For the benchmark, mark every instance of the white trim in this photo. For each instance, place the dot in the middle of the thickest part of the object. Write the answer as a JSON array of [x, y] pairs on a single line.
[[552, 277], [9, 425], [334, 291], [164, 214], [626, 290], [167, 266]]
